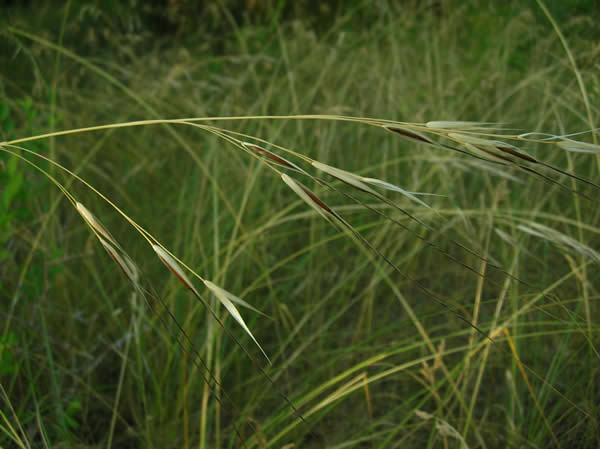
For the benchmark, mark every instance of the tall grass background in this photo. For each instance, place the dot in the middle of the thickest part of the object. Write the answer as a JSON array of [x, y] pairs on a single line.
[[367, 358]]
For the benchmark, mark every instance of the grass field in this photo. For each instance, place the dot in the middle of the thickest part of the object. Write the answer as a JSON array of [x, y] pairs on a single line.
[[471, 323]]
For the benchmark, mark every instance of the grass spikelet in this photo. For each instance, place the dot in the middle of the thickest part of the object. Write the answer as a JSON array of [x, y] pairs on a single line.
[[125, 263], [488, 151], [389, 186], [310, 198], [172, 265], [410, 135], [515, 153], [272, 156], [579, 147], [457, 125], [240, 302], [366, 309], [358, 182], [478, 141], [491, 146], [93, 222], [227, 299], [122, 260], [339, 222], [559, 239], [344, 176]]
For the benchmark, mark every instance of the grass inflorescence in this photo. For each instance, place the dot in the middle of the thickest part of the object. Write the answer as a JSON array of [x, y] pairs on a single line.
[[256, 277]]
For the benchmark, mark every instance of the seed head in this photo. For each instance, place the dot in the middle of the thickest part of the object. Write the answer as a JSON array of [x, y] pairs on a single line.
[[124, 262], [227, 300], [94, 223], [344, 176], [409, 134], [309, 198], [172, 265], [579, 147], [456, 125], [272, 156]]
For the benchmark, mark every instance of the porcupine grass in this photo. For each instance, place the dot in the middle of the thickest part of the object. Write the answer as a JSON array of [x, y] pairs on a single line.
[[366, 355], [477, 140]]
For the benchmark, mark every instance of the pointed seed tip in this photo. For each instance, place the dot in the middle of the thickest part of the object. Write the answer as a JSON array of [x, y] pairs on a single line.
[[82, 209]]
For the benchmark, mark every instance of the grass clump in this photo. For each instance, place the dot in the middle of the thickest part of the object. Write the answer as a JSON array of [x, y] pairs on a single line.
[[422, 242]]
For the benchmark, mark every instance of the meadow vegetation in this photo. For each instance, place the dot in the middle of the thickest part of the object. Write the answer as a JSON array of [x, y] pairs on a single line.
[[404, 339]]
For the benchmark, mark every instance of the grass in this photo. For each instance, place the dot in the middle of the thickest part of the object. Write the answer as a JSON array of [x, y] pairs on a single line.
[[358, 340]]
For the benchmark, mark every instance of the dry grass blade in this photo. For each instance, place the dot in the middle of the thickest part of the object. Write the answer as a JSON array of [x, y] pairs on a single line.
[[522, 366]]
